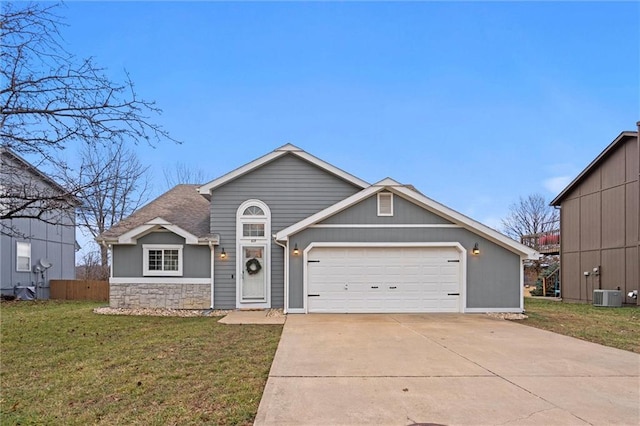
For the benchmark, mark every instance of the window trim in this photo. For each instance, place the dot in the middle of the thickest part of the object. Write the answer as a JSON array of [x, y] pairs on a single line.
[[145, 260], [251, 224], [27, 245], [390, 194]]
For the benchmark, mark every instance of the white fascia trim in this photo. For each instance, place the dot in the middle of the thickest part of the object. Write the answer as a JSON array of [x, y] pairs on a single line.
[[206, 188], [323, 214], [332, 169], [387, 182], [131, 237], [421, 200], [391, 225], [492, 310], [283, 150], [159, 280], [462, 307], [471, 224]]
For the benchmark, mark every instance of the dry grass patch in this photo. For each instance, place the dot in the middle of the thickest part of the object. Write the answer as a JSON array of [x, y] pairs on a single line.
[[615, 327], [63, 364]]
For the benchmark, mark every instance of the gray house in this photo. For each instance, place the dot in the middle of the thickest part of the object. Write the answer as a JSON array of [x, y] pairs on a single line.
[[291, 231], [34, 250]]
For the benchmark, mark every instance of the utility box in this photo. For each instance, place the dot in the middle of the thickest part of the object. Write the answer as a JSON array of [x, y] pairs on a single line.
[[607, 298]]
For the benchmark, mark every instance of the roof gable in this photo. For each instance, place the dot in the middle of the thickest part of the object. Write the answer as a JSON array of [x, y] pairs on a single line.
[[180, 207], [422, 201], [597, 162], [131, 237], [279, 152], [34, 171]]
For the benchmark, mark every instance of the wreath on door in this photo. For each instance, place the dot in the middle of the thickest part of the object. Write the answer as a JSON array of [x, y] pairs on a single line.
[[253, 266]]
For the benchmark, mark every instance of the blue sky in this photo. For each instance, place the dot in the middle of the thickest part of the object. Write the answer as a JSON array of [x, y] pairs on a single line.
[[476, 104]]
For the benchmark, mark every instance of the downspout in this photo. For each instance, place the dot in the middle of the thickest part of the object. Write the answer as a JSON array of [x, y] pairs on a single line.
[[286, 272], [213, 259], [560, 280], [108, 247]]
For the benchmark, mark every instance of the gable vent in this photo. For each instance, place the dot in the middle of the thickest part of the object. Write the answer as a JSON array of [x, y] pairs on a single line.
[[385, 204]]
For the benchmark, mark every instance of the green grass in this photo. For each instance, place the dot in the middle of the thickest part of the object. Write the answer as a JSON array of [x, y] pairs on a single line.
[[615, 327], [63, 364]]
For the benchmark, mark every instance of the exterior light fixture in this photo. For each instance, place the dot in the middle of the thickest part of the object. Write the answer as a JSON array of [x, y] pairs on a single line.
[[223, 255], [476, 249], [295, 250]]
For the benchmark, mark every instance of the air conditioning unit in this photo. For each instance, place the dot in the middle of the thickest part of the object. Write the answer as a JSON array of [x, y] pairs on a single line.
[[607, 298]]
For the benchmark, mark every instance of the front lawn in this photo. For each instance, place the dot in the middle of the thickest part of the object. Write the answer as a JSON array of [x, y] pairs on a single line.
[[615, 327], [63, 364]]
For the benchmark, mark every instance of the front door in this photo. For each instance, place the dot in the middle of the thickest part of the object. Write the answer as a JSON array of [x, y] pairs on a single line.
[[253, 282]]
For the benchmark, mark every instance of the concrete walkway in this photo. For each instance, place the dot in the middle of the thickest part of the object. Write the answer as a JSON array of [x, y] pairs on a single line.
[[252, 317], [444, 369]]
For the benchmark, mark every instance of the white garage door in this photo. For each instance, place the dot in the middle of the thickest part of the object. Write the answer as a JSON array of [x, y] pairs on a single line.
[[383, 279]]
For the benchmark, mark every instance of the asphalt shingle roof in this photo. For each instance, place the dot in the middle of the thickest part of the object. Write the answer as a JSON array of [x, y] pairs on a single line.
[[182, 206]]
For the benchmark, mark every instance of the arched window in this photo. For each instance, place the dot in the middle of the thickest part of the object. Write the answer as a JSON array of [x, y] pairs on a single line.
[[253, 211], [253, 220]]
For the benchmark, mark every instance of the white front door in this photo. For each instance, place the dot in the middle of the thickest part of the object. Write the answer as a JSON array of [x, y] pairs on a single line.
[[253, 238], [253, 282]]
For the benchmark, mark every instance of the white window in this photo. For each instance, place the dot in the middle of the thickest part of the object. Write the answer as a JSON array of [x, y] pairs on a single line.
[[253, 220], [253, 229], [253, 211], [162, 259], [23, 257], [385, 204]]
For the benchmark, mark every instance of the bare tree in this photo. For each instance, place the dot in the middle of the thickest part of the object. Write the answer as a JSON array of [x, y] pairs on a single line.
[[90, 267], [27, 193], [113, 184], [529, 216], [181, 173], [50, 99]]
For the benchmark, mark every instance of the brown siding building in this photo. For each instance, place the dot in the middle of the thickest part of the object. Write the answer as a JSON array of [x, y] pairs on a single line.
[[600, 222]]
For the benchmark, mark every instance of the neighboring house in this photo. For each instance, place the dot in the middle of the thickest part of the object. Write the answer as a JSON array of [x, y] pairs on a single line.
[[599, 219], [291, 231], [34, 251]]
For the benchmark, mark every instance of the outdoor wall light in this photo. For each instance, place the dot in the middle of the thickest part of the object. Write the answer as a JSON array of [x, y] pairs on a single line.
[[223, 254], [476, 249], [295, 250]]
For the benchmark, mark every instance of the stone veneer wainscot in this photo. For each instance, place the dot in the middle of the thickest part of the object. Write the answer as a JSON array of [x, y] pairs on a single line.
[[168, 296]]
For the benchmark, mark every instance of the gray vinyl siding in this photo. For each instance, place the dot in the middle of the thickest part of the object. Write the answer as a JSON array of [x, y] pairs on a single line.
[[128, 259], [293, 189], [493, 277], [366, 212], [55, 243], [53, 240]]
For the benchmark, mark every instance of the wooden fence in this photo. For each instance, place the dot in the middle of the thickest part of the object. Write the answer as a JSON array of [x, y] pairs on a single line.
[[79, 290]]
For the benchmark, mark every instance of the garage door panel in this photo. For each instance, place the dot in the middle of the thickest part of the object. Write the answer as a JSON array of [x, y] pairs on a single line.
[[366, 279]]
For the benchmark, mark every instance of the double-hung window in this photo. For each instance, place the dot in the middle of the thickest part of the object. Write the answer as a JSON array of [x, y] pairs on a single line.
[[162, 259], [23, 257]]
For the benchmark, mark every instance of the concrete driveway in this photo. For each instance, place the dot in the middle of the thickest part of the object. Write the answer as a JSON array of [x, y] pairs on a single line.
[[444, 369]]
